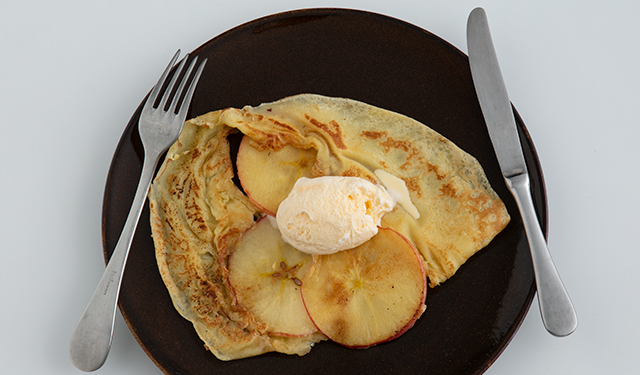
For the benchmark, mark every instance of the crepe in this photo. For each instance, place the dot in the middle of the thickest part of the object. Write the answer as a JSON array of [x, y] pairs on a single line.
[[459, 211], [198, 214]]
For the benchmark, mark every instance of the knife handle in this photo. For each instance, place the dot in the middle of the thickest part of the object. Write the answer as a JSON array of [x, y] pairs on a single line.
[[558, 314]]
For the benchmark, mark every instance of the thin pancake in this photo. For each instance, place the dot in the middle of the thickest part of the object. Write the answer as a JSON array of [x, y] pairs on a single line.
[[459, 211], [198, 214]]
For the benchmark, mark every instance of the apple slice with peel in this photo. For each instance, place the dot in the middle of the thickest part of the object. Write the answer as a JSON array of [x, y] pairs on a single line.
[[268, 176], [369, 294], [265, 275]]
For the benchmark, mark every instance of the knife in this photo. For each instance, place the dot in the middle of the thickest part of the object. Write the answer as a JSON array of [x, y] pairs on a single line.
[[558, 314]]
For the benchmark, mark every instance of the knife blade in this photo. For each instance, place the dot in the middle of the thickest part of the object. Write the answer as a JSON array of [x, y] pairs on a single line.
[[556, 308]]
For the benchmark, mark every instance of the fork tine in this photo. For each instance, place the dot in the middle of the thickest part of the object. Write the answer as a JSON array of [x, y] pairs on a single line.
[[156, 89], [192, 87], [176, 98], [172, 84]]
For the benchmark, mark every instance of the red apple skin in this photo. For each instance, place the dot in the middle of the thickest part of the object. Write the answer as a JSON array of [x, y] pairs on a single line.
[[272, 214], [418, 312]]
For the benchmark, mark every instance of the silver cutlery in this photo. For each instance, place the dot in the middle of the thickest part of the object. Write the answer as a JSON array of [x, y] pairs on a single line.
[[557, 311], [159, 129]]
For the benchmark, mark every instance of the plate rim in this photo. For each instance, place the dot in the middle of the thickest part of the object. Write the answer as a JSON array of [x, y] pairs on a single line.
[[544, 215]]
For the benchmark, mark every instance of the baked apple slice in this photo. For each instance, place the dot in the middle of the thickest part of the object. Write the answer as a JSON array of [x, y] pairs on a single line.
[[369, 294], [268, 176], [265, 275]]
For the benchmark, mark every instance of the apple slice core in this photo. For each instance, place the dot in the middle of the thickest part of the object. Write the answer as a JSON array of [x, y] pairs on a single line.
[[369, 294], [265, 275]]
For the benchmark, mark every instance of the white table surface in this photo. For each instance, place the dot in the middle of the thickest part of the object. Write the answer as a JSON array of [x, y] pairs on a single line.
[[73, 72]]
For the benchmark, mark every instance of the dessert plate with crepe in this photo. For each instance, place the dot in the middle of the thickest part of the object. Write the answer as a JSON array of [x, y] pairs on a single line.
[[391, 65]]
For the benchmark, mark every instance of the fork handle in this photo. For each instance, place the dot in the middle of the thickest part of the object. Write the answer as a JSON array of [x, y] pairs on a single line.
[[91, 340], [556, 309]]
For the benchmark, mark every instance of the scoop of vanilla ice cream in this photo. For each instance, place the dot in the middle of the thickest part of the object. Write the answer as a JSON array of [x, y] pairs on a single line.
[[328, 214]]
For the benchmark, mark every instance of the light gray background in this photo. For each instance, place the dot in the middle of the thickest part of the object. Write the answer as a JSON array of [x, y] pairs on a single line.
[[73, 72]]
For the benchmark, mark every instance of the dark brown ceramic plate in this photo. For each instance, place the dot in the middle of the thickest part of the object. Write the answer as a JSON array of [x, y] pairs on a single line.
[[385, 62]]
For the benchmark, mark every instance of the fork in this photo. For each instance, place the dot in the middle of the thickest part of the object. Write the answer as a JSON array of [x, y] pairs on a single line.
[[159, 128]]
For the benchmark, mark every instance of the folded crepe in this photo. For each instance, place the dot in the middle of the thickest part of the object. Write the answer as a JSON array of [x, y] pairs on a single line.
[[198, 214]]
